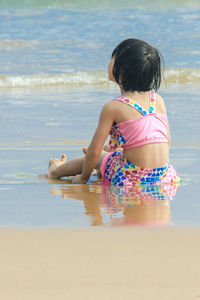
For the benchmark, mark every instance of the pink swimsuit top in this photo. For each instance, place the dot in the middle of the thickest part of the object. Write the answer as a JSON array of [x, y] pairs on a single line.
[[147, 129]]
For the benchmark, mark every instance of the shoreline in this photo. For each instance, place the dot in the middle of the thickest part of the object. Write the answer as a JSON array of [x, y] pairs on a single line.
[[100, 263]]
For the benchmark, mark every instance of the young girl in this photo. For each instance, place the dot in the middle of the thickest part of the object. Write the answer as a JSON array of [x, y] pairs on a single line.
[[138, 150]]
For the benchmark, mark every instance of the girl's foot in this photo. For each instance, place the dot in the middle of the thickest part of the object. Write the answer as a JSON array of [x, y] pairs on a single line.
[[84, 149], [56, 162], [106, 148]]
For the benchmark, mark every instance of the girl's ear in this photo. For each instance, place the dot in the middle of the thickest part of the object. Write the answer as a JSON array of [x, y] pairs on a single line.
[[120, 80], [110, 70], [112, 78]]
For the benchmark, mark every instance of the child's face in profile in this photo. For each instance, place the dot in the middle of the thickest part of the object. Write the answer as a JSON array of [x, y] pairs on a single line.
[[110, 69]]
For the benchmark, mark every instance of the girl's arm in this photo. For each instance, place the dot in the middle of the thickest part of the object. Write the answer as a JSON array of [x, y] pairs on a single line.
[[162, 109], [106, 120], [169, 136]]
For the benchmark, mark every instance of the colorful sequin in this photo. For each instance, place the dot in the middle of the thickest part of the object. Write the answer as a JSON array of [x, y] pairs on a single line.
[[120, 171], [117, 139]]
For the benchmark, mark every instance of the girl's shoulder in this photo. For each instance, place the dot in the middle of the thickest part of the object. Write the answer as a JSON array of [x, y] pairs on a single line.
[[116, 107], [160, 105], [113, 109], [108, 110], [111, 105]]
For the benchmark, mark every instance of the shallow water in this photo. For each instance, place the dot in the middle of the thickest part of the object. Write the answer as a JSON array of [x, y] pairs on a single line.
[[53, 84], [30, 200]]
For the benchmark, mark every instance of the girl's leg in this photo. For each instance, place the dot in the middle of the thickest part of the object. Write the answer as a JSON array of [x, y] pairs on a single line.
[[103, 154], [60, 167], [106, 148]]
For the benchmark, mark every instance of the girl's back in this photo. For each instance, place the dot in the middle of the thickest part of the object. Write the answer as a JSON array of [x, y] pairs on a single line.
[[150, 148]]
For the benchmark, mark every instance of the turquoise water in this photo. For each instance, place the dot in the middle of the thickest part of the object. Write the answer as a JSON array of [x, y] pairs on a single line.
[[95, 4], [53, 83]]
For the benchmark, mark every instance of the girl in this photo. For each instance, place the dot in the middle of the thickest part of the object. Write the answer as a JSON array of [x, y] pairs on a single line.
[[136, 121]]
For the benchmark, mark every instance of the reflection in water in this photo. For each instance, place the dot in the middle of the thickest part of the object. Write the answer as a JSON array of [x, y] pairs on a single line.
[[142, 205]]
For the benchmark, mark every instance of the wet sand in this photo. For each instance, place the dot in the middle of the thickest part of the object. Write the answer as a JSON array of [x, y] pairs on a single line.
[[118, 263]]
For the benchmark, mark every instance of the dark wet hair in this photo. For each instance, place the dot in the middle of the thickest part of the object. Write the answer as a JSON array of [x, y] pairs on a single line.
[[137, 66]]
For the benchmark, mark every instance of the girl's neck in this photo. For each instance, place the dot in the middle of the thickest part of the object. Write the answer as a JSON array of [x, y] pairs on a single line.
[[129, 94]]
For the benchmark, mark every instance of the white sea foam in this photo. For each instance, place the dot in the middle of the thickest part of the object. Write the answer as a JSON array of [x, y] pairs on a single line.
[[88, 78], [79, 78], [183, 75]]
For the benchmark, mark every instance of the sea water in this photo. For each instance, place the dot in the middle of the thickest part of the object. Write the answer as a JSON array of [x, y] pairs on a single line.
[[53, 84]]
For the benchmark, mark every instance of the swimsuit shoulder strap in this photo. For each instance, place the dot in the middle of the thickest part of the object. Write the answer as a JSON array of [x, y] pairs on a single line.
[[152, 104], [133, 104]]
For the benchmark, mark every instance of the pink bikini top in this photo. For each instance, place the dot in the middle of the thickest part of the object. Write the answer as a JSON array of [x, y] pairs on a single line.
[[150, 128]]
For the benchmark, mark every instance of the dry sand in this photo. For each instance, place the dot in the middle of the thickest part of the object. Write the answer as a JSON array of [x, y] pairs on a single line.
[[118, 263]]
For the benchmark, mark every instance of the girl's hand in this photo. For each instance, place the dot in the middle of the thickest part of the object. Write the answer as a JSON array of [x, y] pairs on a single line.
[[77, 179]]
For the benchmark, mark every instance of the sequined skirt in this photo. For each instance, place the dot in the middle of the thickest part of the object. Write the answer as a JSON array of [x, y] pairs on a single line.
[[116, 170]]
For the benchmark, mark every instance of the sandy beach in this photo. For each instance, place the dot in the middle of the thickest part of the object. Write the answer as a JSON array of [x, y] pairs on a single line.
[[119, 263]]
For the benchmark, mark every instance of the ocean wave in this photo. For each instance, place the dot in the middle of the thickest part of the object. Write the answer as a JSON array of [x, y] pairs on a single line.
[[183, 75], [71, 79], [179, 76]]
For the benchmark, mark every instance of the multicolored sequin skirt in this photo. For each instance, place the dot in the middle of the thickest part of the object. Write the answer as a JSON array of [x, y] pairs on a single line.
[[116, 170]]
